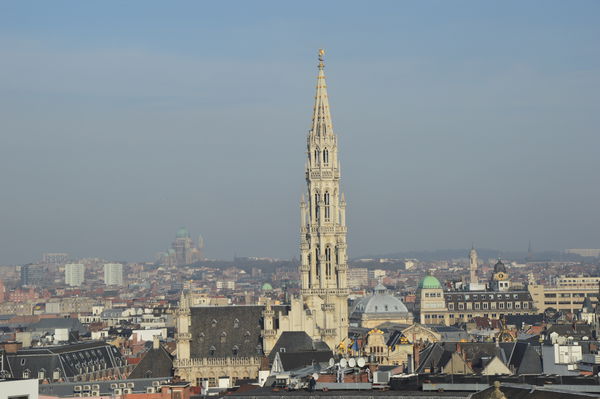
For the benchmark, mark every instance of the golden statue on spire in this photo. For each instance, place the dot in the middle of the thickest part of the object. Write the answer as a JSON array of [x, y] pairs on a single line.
[[321, 54]]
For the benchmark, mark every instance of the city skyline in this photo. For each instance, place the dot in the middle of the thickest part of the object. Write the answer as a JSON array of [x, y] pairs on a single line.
[[453, 133]]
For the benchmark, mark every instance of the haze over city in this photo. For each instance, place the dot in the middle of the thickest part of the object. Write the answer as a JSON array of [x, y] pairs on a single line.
[[456, 125]]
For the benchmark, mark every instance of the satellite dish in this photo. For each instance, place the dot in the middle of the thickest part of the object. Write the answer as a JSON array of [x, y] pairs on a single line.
[[352, 362], [315, 376], [343, 363], [331, 362], [361, 362]]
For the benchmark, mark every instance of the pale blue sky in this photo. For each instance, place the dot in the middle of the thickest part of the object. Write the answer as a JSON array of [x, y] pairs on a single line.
[[459, 122]]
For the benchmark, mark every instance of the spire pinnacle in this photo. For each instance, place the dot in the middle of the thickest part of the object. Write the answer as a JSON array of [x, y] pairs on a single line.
[[321, 123]]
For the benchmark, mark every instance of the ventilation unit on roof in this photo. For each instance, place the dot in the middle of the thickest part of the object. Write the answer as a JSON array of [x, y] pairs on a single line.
[[130, 385], [77, 388], [150, 390], [118, 391], [155, 383], [113, 386], [95, 393], [87, 387], [127, 390], [77, 395], [122, 385]]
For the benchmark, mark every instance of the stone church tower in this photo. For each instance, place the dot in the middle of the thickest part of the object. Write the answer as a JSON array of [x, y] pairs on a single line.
[[323, 268], [473, 266]]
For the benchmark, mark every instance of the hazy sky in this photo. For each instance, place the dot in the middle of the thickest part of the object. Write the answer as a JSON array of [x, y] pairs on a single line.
[[458, 122]]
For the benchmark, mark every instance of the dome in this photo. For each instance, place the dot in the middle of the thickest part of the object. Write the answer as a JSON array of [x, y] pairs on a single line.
[[380, 302], [499, 267], [182, 233], [267, 287], [430, 282]]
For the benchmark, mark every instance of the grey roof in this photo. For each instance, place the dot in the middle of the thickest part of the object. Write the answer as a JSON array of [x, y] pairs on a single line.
[[155, 363], [226, 331], [66, 389], [49, 325], [379, 302], [587, 305], [67, 359], [298, 341], [550, 367]]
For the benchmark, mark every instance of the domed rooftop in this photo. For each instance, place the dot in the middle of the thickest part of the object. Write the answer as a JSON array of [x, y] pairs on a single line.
[[267, 287], [182, 233], [380, 302], [430, 282], [499, 267]]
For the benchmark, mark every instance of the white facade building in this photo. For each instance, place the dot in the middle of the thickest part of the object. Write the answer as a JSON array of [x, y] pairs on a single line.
[[113, 274], [74, 274]]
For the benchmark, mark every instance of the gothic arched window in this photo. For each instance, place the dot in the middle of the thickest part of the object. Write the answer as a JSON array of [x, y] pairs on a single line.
[[223, 337], [212, 350], [327, 213], [317, 199], [328, 262], [325, 156], [235, 350]]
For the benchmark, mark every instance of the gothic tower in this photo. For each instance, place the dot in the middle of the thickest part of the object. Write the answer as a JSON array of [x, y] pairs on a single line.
[[473, 265], [324, 266]]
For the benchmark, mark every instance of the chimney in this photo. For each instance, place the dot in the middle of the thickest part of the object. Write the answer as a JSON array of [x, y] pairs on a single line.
[[155, 341]]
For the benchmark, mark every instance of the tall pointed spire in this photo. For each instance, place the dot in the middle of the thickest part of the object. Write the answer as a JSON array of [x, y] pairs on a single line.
[[321, 122], [323, 269]]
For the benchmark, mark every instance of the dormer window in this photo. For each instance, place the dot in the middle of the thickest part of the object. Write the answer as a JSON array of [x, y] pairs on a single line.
[[212, 350], [236, 323]]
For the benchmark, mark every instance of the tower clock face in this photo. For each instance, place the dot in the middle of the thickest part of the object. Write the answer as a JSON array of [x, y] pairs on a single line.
[[501, 276]]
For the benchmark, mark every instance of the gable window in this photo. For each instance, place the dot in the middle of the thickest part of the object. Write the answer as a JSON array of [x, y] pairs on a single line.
[[223, 337], [235, 350], [212, 350], [213, 323], [236, 323]]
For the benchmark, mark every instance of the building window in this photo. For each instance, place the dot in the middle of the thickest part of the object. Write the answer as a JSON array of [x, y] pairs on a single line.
[[525, 305], [325, 156], [223, 337], [450, 306], [213, 323], [328, 260], [235, 350], [212, 350], [461, 306], [327, 211], [236, 323], [485, 305], [477, 305], [500, 305]]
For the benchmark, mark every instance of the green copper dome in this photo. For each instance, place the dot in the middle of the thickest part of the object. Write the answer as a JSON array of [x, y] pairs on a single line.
[[267, 287], [182, 233], [430, 282]]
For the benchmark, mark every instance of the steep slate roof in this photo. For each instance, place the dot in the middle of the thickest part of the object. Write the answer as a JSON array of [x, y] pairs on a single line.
[[66, 358], [155, 363], [218, 330], [296, 350], [297, 341]]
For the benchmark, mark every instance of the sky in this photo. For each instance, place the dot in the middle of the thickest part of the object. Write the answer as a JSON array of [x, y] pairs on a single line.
[[458, 122]]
